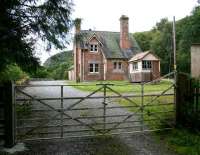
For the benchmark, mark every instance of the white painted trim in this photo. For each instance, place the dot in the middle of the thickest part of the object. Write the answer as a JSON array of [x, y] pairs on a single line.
[[94, 35]]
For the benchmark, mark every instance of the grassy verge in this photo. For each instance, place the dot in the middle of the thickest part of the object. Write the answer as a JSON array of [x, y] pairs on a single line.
[[122, 86], [180, 140]]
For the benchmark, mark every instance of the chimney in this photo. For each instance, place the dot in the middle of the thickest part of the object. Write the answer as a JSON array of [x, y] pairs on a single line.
[[124, 32], [77, 23]]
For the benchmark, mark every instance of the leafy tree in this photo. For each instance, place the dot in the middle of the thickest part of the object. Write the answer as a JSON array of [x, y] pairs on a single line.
[[12, 72], [144, 39], [22, 22], [159, 40], [58, 65]]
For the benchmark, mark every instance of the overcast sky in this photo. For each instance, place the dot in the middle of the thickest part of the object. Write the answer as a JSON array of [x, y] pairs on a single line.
[[104, 15]]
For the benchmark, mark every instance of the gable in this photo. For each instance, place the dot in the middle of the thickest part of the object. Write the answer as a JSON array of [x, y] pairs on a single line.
[[151, 57], [144, 56]]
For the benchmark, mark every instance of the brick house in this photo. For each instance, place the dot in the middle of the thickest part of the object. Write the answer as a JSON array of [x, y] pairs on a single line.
[[104, 55]]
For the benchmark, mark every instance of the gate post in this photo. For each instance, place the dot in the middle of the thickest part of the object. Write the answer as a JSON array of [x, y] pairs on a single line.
[[8, 94], [183, 97]]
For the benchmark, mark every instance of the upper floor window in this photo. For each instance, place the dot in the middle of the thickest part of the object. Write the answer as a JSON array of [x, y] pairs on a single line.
[[93, 47], [146, 64], [94, 68], [135, 66], [117, 65]]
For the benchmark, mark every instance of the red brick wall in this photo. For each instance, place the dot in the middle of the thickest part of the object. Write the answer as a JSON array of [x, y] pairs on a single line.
[[93, 57], [116, 75], [82, 60]]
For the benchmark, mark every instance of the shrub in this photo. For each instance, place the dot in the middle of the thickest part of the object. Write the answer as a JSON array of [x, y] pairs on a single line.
[[12, 72], [41, 72]]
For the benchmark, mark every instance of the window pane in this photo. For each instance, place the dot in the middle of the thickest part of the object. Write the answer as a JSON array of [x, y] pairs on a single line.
[[91, 47], [149, 64], [95, 47], [119, 65], [96, 67], [91, 68], [143, 65], [135, 66], [115, 65], [146, 64]]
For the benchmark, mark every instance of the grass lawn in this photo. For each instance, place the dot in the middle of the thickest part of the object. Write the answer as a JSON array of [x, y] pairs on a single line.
[[182, 141], [123, 86]]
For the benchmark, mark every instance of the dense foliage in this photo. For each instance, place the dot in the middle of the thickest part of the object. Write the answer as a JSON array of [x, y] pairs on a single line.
[[58, 65], [23, 22], [12, 72], [159, 40]]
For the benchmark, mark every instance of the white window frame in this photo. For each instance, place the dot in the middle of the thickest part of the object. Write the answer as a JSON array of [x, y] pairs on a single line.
[[117, 65], [93, 47], [135, 66], [94, 67], [146, 65]]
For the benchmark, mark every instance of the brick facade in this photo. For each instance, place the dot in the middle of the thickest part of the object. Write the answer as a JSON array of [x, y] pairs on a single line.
[[113, 74], [104, 55]]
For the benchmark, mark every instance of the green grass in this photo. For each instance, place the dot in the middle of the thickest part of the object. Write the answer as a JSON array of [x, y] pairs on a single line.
[[122, 86], [158, 115], [180, 140]]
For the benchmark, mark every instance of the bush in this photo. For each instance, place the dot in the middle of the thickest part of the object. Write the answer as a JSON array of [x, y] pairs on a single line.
[[41, 72], [12, 72]]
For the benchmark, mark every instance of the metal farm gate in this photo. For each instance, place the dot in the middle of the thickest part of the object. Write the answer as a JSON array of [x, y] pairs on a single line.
[[69, 112]]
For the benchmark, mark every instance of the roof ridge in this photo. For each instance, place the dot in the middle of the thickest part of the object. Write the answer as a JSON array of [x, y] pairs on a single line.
[[103, 31]]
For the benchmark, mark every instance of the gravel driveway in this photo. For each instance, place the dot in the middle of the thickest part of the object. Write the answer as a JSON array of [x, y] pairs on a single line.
[[131, 144]]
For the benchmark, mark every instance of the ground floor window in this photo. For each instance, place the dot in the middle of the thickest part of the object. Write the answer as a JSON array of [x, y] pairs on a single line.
[[94, 68], [117, 65], [135, 66], [146, 64]]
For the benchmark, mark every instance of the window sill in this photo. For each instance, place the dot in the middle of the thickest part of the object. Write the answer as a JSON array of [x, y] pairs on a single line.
[[118, 71], [93, 73], [94, 52], [146, 70]]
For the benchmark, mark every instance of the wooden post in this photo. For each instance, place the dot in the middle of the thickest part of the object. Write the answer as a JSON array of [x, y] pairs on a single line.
[[184, 98], [8, 95]]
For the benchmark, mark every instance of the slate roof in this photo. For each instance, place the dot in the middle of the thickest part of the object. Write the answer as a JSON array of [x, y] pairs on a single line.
[[110, 43]]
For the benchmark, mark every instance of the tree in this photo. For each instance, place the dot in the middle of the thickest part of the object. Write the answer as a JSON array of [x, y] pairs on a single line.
[[144, 39], [22, 22]]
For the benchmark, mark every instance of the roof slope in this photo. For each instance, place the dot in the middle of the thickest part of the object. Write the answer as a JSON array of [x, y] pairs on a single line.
[[110, 43], [141, 55]]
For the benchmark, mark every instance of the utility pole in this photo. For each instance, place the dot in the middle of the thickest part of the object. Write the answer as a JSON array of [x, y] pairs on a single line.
[[175, 71], [174, 42]]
